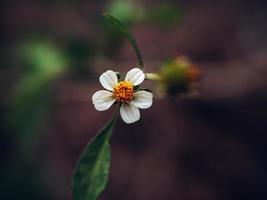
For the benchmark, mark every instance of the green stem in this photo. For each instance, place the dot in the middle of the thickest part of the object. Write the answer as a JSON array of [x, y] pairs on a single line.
[[152, 76], [139, 57]]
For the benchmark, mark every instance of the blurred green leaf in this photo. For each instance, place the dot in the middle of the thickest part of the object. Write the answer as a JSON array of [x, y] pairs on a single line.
[[164, 14], [121, 28], [126, 11], [91, 172], [80, 51], [40, 63], [41, 57]]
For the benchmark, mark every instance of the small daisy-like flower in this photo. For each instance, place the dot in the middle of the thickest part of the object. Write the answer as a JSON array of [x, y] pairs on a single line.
[[123, 92]]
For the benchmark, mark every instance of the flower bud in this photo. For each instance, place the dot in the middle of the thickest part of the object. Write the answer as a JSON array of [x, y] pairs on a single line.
[[179, 76]]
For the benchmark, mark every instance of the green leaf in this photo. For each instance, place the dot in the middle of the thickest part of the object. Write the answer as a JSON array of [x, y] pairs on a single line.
[[91, 173], [123, 30]]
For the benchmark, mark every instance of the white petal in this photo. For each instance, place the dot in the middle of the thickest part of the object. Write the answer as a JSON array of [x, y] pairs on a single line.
[[108, 79], [142, 99], [129, 113], [135, 76], [102, 100]]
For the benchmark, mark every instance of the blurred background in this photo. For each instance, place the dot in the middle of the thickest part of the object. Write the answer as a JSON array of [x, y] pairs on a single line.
[[210, 147]]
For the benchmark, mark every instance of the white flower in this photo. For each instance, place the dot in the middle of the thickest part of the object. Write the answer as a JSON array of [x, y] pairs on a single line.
[[123, 92]]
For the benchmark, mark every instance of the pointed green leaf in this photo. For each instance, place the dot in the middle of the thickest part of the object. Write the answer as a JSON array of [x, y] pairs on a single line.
[[123, 30], [91, 173]]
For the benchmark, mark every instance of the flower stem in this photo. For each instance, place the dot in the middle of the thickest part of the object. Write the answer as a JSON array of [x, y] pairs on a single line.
[[152, 76]]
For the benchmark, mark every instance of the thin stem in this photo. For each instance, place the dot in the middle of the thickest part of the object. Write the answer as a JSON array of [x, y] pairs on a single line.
[[139, 57], [152, 76]]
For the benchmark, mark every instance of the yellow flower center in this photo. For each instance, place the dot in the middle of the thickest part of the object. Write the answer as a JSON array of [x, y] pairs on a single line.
[[123, 91]]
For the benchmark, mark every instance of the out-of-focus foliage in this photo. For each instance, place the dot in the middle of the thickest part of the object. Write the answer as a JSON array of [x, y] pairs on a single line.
[[126, 11], [164, 14], [80, 51], [40, 64]]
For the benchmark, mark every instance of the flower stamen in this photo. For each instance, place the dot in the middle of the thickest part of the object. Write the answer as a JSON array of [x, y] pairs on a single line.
[[123, 91]]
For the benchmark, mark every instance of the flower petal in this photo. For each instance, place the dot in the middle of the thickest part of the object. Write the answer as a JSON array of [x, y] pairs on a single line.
[[129, 113], [142, 99], [135, 76], [102, 100], [108, 80]]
